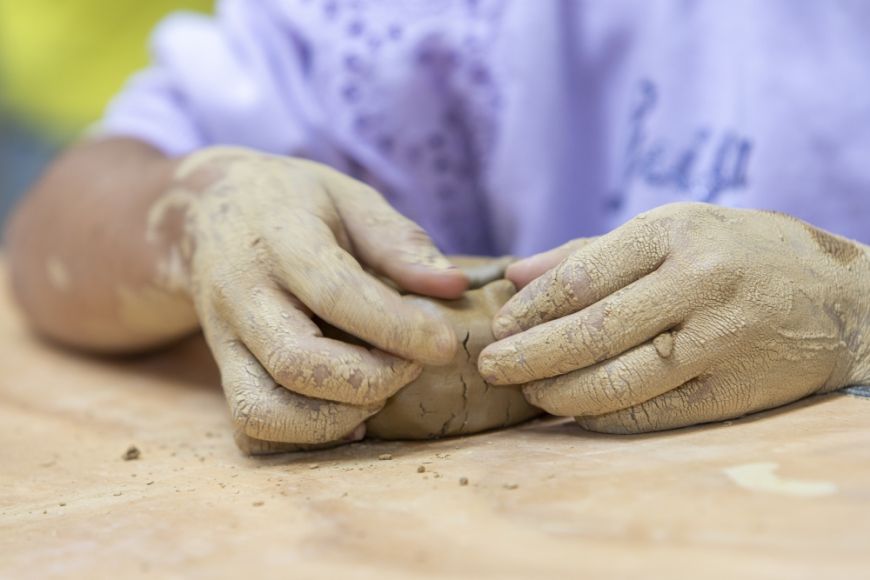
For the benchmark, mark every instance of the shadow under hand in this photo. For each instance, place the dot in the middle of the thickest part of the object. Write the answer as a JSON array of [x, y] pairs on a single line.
[[568, 427], [188, 362]]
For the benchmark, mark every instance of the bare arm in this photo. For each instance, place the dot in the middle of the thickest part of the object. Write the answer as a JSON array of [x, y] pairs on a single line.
[[80, 264]]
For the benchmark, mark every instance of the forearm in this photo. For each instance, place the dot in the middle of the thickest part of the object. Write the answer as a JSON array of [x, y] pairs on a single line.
[[83, 266]]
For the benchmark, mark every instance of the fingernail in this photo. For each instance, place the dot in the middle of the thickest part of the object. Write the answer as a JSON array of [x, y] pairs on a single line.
[[485, 367], [503, 326], [432, 260]]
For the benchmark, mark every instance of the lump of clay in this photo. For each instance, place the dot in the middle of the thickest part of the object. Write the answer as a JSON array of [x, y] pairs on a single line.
[[454, 399]]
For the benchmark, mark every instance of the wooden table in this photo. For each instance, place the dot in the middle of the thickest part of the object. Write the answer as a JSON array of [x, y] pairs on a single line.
[[780, 495]]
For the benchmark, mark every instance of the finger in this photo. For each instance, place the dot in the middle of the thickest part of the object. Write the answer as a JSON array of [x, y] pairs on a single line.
[[749, 383], [591, 273], [625, 381], [330, 282], [700, 400], [263, 410], [390, 243], [293, 350], [626, 318], [250, 446], [480, 275], [524, 271]]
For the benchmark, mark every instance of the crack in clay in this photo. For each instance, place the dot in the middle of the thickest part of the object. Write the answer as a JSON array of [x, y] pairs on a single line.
[[465, 344], [454, 399], [464, 401], [446, 425]]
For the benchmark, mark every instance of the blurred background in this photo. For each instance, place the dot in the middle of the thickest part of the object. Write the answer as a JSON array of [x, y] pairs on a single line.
[[61, 61]]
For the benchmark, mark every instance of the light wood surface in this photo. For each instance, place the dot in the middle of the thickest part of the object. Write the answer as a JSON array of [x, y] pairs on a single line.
[[781, 495]]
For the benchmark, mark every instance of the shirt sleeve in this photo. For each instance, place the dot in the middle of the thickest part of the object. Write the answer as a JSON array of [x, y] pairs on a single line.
[[215, 81]]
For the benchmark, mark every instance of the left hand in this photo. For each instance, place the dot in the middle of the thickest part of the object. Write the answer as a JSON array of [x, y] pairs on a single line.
[[687, 314]]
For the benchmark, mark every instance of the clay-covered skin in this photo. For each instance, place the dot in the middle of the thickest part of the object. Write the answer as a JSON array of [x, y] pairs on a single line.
[[265, 247], [454, 399], [687, 314]]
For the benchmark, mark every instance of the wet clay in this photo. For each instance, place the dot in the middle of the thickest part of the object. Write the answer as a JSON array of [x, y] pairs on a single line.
[[454, 399]]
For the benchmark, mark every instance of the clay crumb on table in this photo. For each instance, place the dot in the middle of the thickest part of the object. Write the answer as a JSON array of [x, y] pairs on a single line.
[[131, 454]]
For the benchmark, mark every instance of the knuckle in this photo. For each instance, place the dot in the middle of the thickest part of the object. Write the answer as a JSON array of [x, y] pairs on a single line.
[[592, 343], [572, 279], [249, 416], [610, 387], [221, 292], [283, 364], [253, 413], [718, 273], [256, 418], [714, 264], [576, 350]]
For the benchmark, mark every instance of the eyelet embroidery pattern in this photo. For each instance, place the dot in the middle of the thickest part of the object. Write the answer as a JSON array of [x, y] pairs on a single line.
[[412, 83]]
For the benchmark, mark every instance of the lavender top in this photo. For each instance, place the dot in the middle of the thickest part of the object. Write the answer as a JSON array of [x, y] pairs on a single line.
[[510, 126]]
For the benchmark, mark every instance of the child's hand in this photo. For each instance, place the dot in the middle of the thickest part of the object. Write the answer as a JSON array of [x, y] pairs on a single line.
[[686, 314], [270, 243]]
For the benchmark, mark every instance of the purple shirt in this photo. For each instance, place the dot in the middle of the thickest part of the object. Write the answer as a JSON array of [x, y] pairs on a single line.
[[511, 126]]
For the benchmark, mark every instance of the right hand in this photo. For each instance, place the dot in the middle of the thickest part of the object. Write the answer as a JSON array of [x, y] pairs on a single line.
[[267, 243]]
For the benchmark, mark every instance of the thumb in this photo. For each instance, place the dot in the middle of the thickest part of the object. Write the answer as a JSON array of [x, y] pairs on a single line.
[[391, 244], [524, 271]]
